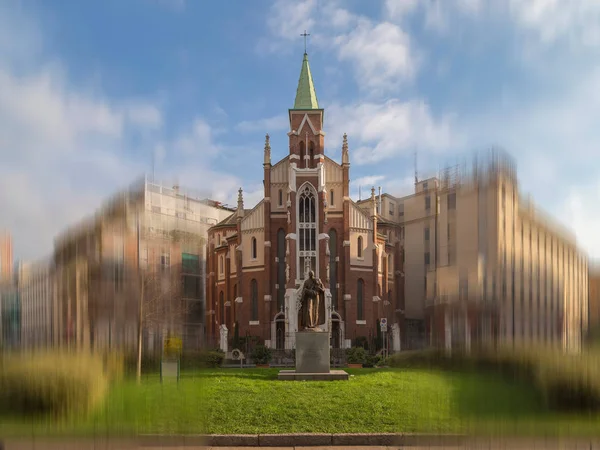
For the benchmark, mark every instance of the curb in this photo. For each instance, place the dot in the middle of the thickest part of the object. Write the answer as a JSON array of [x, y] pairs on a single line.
[[304, 440]]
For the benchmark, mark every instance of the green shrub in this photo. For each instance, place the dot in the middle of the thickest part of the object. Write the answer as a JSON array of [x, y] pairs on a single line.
[[564, 382], [52, 383], [114, 365], [356, 355], [261, 355]]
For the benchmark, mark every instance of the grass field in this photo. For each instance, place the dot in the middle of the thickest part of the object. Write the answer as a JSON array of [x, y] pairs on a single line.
[[231, 401]]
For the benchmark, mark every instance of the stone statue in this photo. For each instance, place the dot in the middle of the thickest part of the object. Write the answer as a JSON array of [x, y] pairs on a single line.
[[312, 308]]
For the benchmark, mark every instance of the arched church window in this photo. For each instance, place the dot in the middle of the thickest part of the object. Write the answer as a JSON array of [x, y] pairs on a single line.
[[333, 266], [302, 150], [311, 154], [254, 250], [281, 268], [390, 262], [254, 299], [359, 247], [307, 227], [331, 197], [280, 197], [360, 295], [221, 308]]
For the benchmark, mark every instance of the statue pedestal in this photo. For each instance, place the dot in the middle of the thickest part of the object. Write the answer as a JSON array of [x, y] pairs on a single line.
[[312, 359]]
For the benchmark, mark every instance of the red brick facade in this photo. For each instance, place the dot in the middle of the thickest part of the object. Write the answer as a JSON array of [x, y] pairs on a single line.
[[259, 302]]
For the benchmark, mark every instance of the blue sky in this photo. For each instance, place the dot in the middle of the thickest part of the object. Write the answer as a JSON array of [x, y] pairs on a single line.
[[92, 92]]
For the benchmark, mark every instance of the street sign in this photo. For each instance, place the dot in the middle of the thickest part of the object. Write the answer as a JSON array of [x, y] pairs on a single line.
[[383, 324]]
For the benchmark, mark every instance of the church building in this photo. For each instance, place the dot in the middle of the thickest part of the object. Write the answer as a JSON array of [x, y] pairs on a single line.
[[258, 258]]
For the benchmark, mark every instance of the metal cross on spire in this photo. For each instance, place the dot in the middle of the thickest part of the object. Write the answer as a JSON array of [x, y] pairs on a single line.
[[305, 34]]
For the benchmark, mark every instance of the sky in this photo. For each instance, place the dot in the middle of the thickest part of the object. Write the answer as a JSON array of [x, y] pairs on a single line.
[[95, 94]]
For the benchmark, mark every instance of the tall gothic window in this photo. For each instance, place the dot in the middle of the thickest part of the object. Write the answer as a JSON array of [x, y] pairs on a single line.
[[281, 268], [307, 227], [359, 248], [333, 266], [311, 154], [254, 249], [360, 295], [302, 151], [254, 299], [221, 308]]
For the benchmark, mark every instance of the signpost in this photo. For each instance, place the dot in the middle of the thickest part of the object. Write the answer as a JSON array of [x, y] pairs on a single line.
[[383, 326], [170, 363]]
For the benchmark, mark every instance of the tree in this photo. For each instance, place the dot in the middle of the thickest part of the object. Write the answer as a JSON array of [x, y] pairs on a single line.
[[160, 304]]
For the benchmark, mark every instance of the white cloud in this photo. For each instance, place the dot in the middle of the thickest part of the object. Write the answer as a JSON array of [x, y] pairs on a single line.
[[378, 132], [286, 21], [578, 21], [268, 125], [144, 115], [581, 208], [380, 52]]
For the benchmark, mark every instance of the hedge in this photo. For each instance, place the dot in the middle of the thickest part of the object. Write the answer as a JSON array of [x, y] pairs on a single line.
[[51, 383], [564, 381]]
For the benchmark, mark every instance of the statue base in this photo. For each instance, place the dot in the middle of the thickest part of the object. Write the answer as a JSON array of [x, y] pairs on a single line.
[[312, 359]]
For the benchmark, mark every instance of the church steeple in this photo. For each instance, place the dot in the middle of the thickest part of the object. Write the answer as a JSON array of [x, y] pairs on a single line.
[[306, 96]]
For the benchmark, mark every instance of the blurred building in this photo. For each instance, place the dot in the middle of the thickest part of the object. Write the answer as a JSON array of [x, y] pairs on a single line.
[[258, 258], [483, 264], [147, 231], [36, 289], [6, 257], [10, 316], [594, 293]]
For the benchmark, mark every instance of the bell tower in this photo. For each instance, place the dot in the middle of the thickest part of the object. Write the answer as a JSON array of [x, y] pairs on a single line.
[[306, 123]]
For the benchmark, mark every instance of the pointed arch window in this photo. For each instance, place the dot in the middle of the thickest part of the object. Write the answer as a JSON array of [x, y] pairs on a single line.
[[331, 198], [311, 154], [254, 249], [359, 247], [307, 227], [281, 268], [302, 150], [280, 202], [333, 267], [360, 295], [254, 299], [221, 308]]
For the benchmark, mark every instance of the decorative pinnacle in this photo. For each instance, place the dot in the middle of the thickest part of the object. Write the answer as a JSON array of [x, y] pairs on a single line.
[[267, 150], [345, 158], [240, 199]]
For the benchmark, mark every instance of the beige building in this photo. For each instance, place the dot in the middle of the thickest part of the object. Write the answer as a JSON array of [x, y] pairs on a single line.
[[147, 229], [483, 264], [35, 287]]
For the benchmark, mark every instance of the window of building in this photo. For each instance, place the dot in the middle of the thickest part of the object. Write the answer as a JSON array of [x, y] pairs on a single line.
[[426, 233], [360, 293], [280, 268], [311, 154], [302, 150], [427, 258], [221, 264], [254, 299], [359, 247], [333, 266], [390, 263], [165, 261], [401, 209], [156, 209], [280, 197], [452, 201], [221, 308], [425, 186], [254, 249], [307, 227], [190, 263], [391, 208], [428, 202], [331, 198]]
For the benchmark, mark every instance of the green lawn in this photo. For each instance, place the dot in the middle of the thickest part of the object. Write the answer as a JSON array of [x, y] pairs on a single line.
[[373, 400]]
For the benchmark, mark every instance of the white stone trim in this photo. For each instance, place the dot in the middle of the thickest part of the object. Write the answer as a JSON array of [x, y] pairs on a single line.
[[293, 156], [267, 298], [291, 236], [346, 244], [254, 322], [319, 156], [267, 199], [227, 303], [347, 297], [376, 299], [239, 300], [323, 236], [267, 243], [361, 322]]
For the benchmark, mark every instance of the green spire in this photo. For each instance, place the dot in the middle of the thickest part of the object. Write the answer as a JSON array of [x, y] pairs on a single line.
[[306, 97]]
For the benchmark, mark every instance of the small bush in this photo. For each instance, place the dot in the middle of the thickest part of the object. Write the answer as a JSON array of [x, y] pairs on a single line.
[[53, 383], [564, 382], [261, 355], [356, 355]]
